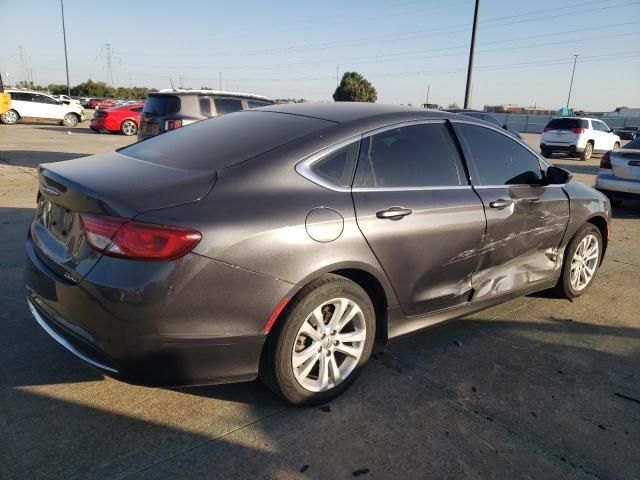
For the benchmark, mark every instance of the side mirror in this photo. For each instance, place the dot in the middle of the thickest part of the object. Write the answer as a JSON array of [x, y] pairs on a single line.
[[557, 176]]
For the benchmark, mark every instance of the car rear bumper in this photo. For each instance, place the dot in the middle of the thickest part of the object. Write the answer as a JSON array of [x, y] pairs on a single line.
[[606, 182], [561, 147], [165, 324]]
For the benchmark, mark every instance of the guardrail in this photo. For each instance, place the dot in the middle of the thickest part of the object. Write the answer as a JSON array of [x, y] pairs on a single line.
[[524, 123]]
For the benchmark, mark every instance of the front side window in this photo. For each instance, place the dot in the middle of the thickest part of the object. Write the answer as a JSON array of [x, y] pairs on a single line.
[[412, 156], [498, 159], [228, 105]]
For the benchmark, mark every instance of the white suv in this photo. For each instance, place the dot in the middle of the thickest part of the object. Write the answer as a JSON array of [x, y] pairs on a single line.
[[26, 104], [575, 135]]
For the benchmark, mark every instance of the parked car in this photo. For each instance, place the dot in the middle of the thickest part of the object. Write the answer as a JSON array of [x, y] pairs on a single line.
[[28, 104], [619, 174], [66, 99], [124, 119], [282, 242], [627, 133], [577, 136], [170, 109], [487, 117], [97, 103]]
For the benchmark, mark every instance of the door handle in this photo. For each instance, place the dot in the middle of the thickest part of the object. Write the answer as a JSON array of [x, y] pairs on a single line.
[[394, 213], [501, 203]]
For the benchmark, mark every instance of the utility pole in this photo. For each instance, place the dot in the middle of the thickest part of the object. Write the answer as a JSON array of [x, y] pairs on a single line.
[[337, 77], [129, 80], [107, 56], [575, 59], [66, 59], [467, 93], [428, 88], [220, 82], [23, 66]]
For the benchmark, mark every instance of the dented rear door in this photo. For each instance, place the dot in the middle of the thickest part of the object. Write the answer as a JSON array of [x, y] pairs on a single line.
[[526, 219]]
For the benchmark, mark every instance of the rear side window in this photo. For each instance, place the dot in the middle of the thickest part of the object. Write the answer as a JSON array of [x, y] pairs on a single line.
[[205, 106], [337, 167], [567, 123], [635, 144], [222, 141], [162, 105], [411, 156], [136, 109], [257, 103], [498, 159], [228, 105]]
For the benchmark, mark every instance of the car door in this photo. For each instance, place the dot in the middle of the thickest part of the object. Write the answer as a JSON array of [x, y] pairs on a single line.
[[46, 107], [23, 104], [526, 219], [419, 214]]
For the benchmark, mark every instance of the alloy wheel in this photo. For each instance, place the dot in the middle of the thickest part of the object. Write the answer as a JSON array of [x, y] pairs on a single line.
[[584, 262], [329, 345], [129, 128], [10, 117]]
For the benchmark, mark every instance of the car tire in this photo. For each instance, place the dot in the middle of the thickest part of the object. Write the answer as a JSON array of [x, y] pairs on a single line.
[[572, 284], [70, 120], [10, 117], [546, 153], [129, 128], [587, 152], [322, 370]]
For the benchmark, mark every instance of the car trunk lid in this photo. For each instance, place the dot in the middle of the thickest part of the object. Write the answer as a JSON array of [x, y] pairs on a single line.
[[109, 184], [625, 163]]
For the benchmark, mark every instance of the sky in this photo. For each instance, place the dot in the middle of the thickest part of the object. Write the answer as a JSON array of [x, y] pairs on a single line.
[[293, 49]]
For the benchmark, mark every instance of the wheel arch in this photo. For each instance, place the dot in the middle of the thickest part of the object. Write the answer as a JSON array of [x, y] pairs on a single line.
[[603, 226]]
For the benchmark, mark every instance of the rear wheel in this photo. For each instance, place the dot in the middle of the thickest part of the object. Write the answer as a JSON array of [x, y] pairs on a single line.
[[320, 343], [581, 260], [9, 117], [70, 120], [586, 153], [129, 128], [616, 145]]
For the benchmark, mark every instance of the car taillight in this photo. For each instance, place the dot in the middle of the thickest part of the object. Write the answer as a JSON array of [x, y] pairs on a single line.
[[172, 124], [605, 161], [546, 129], [578, 130], [120, 237]]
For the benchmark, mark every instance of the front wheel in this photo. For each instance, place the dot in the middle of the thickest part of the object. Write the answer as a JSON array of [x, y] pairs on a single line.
[[129, 128], [582, 259], [320, 343], [616, 146], [546, 153], [9, 117], [70, 120]]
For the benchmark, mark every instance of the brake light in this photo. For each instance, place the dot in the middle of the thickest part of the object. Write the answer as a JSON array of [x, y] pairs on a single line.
[[546, 129], [578, 130], [172, 124], [605, 161], [120, 237]]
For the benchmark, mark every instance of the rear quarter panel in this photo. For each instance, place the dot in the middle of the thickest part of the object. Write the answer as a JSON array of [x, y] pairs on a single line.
[[585, 204]]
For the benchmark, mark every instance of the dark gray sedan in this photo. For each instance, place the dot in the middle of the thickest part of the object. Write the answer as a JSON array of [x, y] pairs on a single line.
[[282, 242]]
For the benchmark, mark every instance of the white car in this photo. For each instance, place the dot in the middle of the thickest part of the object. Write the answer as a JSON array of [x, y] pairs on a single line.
[[575, 135], [619, 174], [26, 104], [66, 99]]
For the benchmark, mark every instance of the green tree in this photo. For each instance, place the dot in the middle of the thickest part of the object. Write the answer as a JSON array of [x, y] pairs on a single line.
[[355, 88], [453, 105]]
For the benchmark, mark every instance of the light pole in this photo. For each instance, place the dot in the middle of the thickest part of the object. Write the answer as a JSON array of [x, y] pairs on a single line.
[[575, 59], [467, 92], [66, 60]]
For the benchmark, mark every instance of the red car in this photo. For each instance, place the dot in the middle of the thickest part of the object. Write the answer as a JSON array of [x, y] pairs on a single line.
[[124, 119], [101, 103]]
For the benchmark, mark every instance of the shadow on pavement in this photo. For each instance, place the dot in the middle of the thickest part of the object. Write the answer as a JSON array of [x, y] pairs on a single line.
[[33, 158], [61, 129]]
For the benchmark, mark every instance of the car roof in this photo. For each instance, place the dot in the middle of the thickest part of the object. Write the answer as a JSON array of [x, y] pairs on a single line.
[[27, 91], [344, 112], [463, 110], [171, 91]]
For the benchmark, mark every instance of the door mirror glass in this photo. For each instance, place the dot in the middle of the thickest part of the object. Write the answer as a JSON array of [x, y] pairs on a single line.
[[557, 176]]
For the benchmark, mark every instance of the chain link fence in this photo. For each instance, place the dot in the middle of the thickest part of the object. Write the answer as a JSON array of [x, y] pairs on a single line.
[[524, 123]]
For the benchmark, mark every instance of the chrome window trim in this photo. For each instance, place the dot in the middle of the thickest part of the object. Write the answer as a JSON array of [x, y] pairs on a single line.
[[64, 342], [304, 167], [507, 185], [410, 189]]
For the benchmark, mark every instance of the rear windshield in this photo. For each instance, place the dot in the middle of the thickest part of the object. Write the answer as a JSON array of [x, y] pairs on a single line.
[[161, 105], [567, 123], [635, 144], [225, 140]]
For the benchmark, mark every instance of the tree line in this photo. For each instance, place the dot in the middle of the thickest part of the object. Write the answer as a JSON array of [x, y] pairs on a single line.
[[93, 89]]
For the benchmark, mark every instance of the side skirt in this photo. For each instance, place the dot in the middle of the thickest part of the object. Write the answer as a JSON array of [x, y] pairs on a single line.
[[399, 324]]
